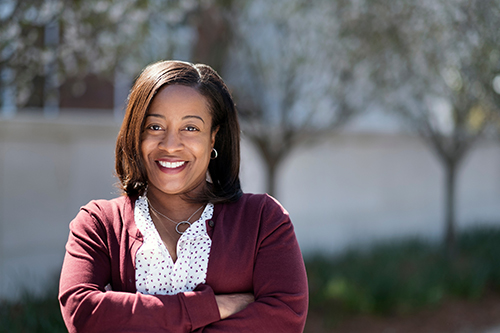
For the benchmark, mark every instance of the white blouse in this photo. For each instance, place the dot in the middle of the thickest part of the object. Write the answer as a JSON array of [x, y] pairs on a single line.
[[155, 271]]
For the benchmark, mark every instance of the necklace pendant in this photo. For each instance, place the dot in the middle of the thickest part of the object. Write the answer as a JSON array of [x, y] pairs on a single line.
[[180, 223]]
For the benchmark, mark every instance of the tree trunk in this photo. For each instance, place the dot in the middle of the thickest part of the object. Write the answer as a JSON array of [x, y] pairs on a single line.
[[450, 232], [271, 180], [214, 37]]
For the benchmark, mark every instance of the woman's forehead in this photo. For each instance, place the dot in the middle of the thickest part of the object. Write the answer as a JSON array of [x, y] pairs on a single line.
[[179, 100]]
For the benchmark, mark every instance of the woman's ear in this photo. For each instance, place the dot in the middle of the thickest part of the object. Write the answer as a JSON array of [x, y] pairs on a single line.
[[213, 135]]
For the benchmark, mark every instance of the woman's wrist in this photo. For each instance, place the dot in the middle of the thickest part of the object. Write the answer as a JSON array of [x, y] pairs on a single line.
[[232, 303]]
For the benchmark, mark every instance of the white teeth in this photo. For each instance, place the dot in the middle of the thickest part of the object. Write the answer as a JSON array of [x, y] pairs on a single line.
[[171, 165]]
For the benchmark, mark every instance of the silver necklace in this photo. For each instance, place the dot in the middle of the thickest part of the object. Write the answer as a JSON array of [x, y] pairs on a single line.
[[177, 224]]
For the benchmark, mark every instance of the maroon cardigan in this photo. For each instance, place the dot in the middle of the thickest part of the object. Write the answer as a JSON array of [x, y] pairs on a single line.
[[254, 249]]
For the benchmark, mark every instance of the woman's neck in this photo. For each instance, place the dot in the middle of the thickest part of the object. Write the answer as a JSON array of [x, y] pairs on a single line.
[[176, 207]]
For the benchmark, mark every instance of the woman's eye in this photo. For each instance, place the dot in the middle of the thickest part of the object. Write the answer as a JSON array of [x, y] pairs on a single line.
[[154, 127], [190, 128]]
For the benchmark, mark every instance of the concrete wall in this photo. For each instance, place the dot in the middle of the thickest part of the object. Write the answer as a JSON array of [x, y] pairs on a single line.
[[348, 190], [358, 188], [48, 169]]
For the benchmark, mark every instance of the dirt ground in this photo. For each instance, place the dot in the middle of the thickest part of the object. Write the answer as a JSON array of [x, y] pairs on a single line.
[[482, 316]]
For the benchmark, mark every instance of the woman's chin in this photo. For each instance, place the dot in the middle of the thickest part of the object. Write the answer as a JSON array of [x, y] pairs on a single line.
[[180, 190]]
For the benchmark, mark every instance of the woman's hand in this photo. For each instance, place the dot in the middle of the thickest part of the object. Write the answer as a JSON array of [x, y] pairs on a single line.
[[231, 303]]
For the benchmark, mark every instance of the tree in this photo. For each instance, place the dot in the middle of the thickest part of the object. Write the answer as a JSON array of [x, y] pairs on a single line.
[[292, 78], [44, 42], [433, 63]]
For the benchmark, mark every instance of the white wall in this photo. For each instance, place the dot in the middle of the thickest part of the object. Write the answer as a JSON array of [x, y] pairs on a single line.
[[348, 190], [47, 171], [357, 188]]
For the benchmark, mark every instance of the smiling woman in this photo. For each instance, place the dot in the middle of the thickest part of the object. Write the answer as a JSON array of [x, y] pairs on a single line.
[[216, 99], [183, 250], [177, 141]]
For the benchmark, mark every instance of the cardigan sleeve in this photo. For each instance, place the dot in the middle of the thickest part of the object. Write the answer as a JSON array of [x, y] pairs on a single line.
[[87, 307], [279, 280]]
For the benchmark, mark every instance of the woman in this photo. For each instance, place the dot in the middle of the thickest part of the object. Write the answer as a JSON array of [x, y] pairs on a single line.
[[183, 250]]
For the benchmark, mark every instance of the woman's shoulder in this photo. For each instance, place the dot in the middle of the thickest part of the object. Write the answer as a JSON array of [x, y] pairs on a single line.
[[259, 213], [258, 204], [259, 198], [107, 212], [109, 205]]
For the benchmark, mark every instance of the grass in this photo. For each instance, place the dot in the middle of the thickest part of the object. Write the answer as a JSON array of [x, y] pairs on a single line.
[[404, 276], [390, 278]]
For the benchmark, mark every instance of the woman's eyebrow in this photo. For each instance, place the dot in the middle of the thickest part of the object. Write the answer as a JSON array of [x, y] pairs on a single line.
[[185, 117], [155, 115], [193, 116]]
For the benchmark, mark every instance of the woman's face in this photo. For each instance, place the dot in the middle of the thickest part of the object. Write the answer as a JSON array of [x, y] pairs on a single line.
[[177, 141]]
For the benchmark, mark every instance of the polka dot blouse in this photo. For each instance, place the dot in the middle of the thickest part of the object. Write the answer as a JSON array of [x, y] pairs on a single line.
[[155, 271]]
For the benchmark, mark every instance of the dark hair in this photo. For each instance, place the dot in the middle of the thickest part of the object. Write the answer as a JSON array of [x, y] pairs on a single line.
[[224, 170]]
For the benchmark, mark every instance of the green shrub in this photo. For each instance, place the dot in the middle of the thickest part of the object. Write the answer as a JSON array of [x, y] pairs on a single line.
[[403, 276], [32, 314]]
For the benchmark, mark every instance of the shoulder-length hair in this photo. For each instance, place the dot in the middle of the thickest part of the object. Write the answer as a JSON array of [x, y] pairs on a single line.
[[223, 170]]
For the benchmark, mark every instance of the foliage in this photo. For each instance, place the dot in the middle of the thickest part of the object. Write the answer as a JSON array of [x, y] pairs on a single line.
[[32, 314], [403, 276], [55, 39]]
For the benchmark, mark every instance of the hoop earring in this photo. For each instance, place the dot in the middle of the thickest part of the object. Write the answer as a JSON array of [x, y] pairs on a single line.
[[216, 154]]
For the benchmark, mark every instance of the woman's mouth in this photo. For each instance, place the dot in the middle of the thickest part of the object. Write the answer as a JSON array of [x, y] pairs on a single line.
[[171, 165]]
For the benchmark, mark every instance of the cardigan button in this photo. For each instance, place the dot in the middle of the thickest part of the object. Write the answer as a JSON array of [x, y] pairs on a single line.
[[211, 223]]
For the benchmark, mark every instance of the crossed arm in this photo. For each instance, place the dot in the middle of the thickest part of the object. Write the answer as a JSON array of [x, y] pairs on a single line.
[[278, 302]]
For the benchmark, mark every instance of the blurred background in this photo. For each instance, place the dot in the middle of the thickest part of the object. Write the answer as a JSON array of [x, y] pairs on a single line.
[[374, 122]]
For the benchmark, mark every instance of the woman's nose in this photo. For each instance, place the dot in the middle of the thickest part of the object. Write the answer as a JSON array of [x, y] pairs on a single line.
[[171, 142]]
